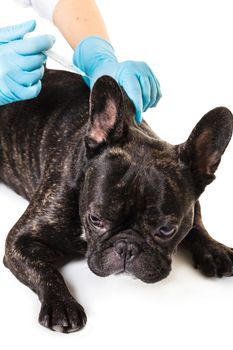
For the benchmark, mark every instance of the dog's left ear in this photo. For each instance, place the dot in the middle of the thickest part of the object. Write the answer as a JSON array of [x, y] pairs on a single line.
[[105, 113], [203, 150]]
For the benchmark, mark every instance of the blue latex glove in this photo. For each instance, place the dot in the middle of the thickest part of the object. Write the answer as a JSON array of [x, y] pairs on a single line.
[[96, 57], [21, 62]]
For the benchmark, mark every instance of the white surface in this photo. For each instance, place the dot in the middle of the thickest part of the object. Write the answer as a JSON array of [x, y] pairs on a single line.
[[189, 45]]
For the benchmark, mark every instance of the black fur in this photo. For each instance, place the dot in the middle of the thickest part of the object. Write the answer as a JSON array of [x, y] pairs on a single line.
[[101, 186]]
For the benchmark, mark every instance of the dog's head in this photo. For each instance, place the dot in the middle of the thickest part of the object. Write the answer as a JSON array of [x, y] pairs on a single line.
[[137, 200]]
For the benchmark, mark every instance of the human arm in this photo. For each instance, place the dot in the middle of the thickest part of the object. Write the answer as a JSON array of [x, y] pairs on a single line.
[[76, 19]]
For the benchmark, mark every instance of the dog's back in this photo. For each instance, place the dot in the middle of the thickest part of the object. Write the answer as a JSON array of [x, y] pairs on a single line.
[[29, 130]]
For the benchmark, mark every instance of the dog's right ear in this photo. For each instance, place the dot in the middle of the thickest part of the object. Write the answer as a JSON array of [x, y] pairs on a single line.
[[105, 114], [203, 150]]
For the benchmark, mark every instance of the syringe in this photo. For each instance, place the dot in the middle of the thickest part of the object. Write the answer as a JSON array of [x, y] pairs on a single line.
[[65, 63]]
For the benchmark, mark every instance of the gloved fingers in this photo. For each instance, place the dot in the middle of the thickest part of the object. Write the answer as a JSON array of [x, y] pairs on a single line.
[[5, 99], [16, 32], [32, 46], [150, 86], [20, 92], [27, 78], [30, 63], [146, 91], [156, 91], [132, 87]]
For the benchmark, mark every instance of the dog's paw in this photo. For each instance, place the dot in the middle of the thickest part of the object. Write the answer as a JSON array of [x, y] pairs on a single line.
[[214, 259], [64, 316]]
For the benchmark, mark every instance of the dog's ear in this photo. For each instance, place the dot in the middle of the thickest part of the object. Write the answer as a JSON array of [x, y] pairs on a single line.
[[203, 150], [105, 113]]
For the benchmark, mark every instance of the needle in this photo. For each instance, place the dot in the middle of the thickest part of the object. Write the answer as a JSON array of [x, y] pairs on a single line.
[[65, 63]]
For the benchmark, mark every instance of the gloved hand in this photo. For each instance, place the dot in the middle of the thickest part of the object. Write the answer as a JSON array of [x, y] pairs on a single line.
[[96, 57], [21, 62]]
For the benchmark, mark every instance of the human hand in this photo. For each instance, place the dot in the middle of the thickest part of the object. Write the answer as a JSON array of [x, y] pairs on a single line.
[[96, 57], [21, 62]]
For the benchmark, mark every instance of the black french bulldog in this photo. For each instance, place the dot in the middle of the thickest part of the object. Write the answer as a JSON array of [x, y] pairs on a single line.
[[101, 186]]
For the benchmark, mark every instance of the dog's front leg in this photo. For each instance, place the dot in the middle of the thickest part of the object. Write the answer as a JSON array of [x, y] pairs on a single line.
[[34, 244], [211, 257]]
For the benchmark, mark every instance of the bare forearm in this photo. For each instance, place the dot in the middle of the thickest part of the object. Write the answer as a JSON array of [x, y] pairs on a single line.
[[78, 19]]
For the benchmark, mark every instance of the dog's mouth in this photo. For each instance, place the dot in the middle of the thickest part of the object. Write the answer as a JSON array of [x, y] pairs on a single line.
[[145, 264]]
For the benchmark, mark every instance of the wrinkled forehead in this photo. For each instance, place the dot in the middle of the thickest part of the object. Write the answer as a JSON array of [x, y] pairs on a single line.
[[118, 181]]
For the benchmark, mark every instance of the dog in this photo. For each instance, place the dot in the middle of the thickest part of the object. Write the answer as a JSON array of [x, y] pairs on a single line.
[[103, 187]]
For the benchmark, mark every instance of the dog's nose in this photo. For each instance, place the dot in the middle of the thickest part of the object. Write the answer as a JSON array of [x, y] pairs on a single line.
[[126, 250]]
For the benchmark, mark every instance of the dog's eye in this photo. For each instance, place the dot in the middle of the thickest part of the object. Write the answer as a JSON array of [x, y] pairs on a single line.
[[166, 230], [95, 221]]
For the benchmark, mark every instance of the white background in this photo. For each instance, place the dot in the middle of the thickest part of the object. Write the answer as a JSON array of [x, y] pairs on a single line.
[[188, 44]]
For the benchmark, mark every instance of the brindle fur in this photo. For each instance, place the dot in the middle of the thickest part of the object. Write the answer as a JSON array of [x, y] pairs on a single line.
[[55, 151]]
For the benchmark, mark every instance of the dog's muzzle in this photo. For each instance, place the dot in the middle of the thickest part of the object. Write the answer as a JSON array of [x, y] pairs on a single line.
[[128, 252]]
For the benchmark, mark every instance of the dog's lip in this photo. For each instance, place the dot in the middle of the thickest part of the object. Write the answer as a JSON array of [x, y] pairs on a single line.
[[98, 272], [102, 273], [149, 278], [152, 279]]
